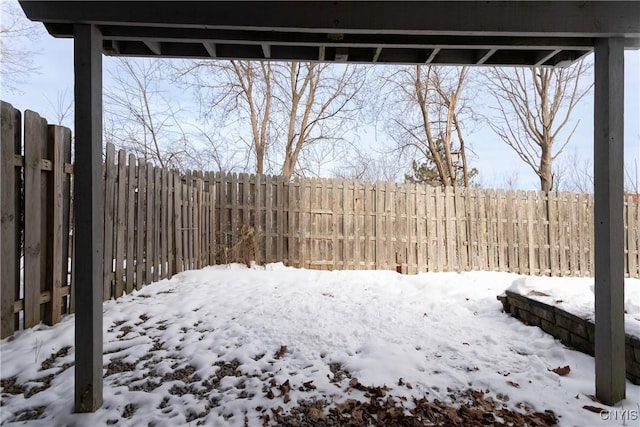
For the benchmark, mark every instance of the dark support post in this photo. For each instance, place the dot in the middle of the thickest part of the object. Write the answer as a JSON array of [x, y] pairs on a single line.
[[609, 232], [89, 210]]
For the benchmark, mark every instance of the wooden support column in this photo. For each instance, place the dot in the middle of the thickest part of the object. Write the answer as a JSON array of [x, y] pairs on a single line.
[[608, 230], [89, 208]]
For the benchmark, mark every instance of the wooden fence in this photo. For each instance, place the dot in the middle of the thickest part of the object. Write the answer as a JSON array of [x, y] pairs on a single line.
[[337, 224], [159, 222]]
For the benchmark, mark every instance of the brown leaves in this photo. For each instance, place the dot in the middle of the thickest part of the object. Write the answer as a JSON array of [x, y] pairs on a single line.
[[595, 409], [513, 384], [306, 386], [285, 388], [281, 352], [562, 371], [315, 414], [472, 409], [354, 383]]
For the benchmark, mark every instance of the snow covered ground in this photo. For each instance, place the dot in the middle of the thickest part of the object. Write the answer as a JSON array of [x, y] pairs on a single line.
[[217, 347]]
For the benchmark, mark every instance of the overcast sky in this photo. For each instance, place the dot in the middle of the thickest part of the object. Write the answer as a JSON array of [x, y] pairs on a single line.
[[495, 161]]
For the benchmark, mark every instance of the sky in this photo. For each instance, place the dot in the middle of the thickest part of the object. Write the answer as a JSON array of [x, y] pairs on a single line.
[[496, 162], [227, 343]]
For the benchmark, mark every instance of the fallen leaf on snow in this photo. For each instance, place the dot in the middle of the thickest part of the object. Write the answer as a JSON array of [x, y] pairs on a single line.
[[595, 409], [562, 371], [316, 414], [281, 352]]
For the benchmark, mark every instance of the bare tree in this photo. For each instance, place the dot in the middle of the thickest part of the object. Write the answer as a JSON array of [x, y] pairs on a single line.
[[287, 107], [534, 106], [62, 108], [370, 165], [572, 173], [632, 179], [428, 104], [142, 120], [17, 37]]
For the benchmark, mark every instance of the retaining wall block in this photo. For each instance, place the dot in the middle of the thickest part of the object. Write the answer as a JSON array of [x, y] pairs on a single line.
[[572, 323], [633, 369], [581, 344], [543, 313], [529, 318]]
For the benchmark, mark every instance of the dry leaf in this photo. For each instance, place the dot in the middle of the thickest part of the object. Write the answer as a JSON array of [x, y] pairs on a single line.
[[285, 387], [453, 415], [595, 409], [315, 414], [514, 384], [281, 352], [562, 371]]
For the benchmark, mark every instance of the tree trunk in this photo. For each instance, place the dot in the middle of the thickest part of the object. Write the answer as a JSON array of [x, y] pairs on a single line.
[[259, 161], [545, 172]]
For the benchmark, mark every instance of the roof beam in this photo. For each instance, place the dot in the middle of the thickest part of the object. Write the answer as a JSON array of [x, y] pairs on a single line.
[[486, 55], [266, 51], [153, 46], [376, 55], [432, 55], [544, 58], [274, 37], [211, 49], [342, 54], [535, 18]]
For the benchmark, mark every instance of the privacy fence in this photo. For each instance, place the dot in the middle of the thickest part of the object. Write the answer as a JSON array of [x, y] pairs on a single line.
[[159, 222]]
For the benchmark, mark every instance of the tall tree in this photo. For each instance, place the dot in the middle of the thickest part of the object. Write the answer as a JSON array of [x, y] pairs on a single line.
[[287, 108], [534, 106], [428, 106], [143, 119], [426, 171], [17, 38]]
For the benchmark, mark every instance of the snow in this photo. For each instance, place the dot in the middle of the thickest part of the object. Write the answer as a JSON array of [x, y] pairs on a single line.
[[576, 295], [207, 345]]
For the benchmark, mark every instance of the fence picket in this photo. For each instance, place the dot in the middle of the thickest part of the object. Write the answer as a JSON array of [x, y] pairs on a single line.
[[10, 207], [58, 253], [130, 226], [120, 219], [140, 224], [164, 221], [35, 137]]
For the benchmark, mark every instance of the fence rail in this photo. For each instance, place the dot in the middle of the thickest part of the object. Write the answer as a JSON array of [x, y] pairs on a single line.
[[160, 222]]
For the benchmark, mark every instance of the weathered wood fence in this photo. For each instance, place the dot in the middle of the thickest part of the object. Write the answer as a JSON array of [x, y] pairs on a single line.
[[337, 224], [159, 222]]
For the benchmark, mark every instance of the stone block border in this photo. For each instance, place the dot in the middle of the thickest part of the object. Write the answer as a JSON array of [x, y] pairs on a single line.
[[571, 330]]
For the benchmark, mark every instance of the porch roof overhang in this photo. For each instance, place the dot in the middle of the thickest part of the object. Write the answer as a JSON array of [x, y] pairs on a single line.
[[525, 33]]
